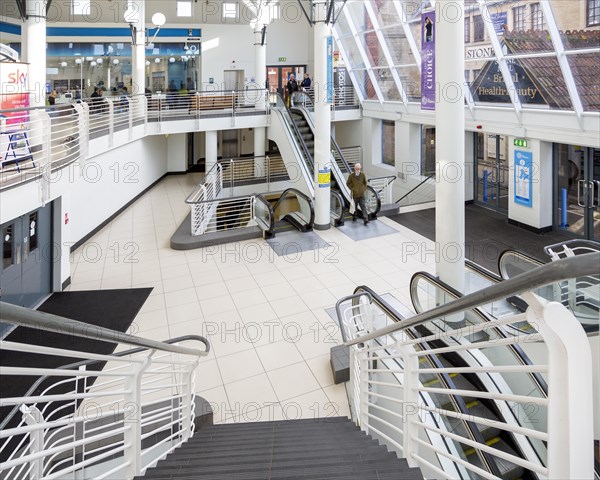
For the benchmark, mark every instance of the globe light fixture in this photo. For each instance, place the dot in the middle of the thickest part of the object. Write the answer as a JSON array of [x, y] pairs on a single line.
[[116, 61], [157, 60]]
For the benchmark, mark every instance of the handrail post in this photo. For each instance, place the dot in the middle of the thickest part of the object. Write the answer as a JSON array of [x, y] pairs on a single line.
[[130, 116], [268, 172], [363, 388], [232, 174], [32, 416], [570, 395], [187, 413], [111, 121], [410, 403], [133, 404]]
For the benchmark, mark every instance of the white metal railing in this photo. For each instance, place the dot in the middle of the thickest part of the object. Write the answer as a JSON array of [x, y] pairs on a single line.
[[402, 391], [253, 170], [34, 142], [383, 186], [204, 199], [105, 416], [225, 214], [352, 154]]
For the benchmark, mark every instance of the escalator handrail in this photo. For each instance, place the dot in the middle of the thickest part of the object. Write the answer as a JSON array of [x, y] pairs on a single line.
[[303, 196], [564, 269], [484, 272], [305, 149], [260, 197], [340, 198], [523, 358], [378, 207], [529, 258], [445, 378], [422, 182]]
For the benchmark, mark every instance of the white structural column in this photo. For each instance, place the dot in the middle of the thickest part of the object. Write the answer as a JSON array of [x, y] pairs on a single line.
[[211, 148], [137, 18], [260, 68], [322, 117], [34, 36], [450, 143]]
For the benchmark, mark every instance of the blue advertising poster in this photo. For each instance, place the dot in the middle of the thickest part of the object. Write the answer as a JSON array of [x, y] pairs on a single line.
[[500, 22], [523, 178], [329, 97]]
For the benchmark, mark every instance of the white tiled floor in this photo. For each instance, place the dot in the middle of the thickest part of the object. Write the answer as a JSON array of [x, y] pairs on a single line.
[[263, 314]]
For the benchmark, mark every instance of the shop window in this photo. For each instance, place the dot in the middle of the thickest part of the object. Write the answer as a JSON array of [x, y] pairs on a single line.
[[467, 29]]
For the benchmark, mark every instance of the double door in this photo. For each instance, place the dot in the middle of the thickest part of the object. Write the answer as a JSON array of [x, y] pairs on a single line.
[[577, 194], [27, 256], [491, 171], [278, 76]]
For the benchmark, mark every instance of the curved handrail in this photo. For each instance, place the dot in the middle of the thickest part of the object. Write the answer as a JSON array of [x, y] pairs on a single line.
[[484, 272], [524, 256], [303, 196], [516, 349], [422, 182], [377, 200], [82, 363], [26, 317], [260, 198], [546, 274], [340, 200], [445, 378], [574, 245]]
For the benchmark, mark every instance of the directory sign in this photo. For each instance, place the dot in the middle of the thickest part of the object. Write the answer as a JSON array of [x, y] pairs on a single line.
[[523, 181]]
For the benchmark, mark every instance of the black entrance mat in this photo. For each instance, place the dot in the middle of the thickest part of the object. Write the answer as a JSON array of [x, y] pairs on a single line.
[[114, 309]]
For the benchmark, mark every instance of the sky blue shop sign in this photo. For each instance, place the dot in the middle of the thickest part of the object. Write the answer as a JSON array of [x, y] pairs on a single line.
[[329, 98], [523, 181]]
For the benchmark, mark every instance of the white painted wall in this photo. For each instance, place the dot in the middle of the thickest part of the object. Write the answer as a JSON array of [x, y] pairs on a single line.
[[177, 152]]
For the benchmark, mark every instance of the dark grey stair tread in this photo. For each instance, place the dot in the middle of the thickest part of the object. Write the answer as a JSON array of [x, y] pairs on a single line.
[[289, 457]]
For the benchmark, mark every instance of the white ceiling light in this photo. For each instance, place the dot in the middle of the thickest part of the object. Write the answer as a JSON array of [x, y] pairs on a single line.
[[157, 60], [116, 61], [158, 19], [99, 61], [172, 60], [93, 64], [147, 62], [63, 64]]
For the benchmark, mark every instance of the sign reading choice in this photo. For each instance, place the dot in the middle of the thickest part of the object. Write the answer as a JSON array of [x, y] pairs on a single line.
[[428, 61]]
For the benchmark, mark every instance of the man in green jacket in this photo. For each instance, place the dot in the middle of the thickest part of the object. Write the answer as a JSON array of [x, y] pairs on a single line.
[[357, 183]]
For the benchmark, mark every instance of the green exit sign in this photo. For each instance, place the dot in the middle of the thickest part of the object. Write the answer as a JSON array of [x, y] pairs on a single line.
[[282, 59], [520, 142]]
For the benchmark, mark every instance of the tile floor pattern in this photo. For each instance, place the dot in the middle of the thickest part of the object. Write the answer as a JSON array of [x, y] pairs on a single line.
[[264, 314]]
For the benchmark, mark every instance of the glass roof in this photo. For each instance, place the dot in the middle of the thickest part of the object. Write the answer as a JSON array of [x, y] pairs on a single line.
[[549, 51]]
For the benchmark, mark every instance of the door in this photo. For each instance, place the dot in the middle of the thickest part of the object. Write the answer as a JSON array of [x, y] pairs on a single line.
[[233, 80], [277, 76], [26, 270], [230, 145], [578, 190], [491, 171]]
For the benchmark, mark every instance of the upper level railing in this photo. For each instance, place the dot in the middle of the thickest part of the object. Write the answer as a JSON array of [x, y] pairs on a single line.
[[34, 142], [94, 422], [409, 382]]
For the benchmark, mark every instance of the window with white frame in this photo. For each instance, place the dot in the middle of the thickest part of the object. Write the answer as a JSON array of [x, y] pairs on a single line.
[[230, 10], [519, 18], [80, 7], [184, 8], [537, 17], [593, 13]]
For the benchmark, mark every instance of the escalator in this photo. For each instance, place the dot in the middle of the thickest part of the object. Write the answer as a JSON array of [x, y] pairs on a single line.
[[285, 211], [471, 404], [340, 169]]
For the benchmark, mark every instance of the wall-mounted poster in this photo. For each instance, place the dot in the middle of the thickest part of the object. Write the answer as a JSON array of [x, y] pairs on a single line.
[[14, 87], [523, 178], [428, 61]]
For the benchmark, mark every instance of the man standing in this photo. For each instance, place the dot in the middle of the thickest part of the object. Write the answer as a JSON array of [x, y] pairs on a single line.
[[357, 183], [292, 88]]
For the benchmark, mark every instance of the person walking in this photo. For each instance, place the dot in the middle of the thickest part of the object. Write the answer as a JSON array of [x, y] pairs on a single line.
[[357, 183]]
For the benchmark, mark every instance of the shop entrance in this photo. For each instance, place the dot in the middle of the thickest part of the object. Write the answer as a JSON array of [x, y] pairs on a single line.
[[491, 171], [577, 194]]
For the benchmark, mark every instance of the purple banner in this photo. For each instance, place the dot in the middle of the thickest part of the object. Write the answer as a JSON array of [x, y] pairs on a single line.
[[428, 61]]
